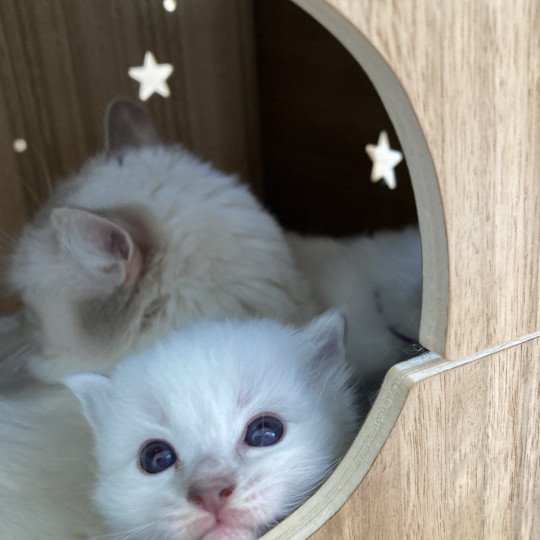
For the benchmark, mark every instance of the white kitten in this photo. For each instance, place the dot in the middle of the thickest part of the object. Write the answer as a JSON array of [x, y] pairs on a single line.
[[145, 239], [377, 280], [219, 431]]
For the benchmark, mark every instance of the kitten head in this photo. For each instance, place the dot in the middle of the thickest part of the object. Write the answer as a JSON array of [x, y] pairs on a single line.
[[144, 239], [221, 430]]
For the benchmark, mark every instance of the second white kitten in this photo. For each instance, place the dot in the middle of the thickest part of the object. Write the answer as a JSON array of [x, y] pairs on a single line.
[[217, 432], [377, 280]]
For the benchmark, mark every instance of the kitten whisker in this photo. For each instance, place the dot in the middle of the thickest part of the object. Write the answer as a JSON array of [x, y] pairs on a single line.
[[30, 190], [126, 533], [415, 315]]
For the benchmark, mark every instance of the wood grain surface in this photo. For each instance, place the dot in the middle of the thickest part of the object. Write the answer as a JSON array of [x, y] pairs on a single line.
[[318, 111], [451, 448], [462, 460], [462, 80], [62, 61]]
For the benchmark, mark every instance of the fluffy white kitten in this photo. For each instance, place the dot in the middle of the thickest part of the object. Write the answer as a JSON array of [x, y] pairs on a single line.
[[144, 239], [377, 280], [217, 432]]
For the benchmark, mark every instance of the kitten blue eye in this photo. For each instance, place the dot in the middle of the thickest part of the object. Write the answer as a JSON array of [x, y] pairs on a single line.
[[156, 456], [264, 431]]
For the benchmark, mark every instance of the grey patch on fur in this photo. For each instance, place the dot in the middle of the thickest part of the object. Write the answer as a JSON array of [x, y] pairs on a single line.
[[106, 318]]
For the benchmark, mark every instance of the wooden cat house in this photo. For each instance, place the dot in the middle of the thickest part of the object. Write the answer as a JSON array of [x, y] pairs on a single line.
[[451, 447]]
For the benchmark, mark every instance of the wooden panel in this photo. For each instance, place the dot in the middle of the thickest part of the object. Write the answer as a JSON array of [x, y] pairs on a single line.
[[13, 208], [318, 110], [62, 61], [462, 460], [220, 83], [471, 72]]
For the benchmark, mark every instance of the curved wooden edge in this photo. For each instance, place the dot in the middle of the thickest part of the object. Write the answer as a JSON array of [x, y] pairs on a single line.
[[377, 428], [422, 170], [356, 463], [463, 460]]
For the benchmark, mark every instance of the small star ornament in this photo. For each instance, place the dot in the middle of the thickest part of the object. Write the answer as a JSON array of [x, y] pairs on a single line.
[[19, 145], [169, 5], [384, 160], [152, 77]]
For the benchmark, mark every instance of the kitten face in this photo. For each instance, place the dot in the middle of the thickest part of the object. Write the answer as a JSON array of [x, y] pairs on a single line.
[[219, 431], [144, 239]]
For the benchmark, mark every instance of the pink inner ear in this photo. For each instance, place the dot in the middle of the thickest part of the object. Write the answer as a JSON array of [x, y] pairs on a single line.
[[119, 243], [98, 244]]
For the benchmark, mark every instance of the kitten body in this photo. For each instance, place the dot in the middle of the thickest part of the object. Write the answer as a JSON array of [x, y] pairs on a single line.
[[144, 239], [377, 280], [198, 391], [46, 467]]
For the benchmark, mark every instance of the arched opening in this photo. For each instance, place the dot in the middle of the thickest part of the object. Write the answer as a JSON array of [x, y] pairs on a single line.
[[323, 95], [367, 96]]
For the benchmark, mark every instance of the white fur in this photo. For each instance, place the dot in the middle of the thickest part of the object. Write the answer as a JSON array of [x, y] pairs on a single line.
[[214, 252], [211, 251], [198, 390], [45, 468], [197, 244], [378, 282]]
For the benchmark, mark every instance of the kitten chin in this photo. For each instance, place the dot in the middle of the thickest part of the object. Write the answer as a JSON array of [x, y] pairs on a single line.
[[143, 240], [228, 425]]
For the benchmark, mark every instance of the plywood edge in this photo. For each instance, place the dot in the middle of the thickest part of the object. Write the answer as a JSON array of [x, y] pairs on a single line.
[[421, 167], [463, 460], [356, 463], [370, 441]]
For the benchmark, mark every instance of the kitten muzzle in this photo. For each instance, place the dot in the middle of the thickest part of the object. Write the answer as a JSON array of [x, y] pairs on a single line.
[[212, 498]]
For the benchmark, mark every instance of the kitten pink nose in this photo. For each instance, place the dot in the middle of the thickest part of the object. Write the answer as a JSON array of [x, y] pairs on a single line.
[[212, 499]]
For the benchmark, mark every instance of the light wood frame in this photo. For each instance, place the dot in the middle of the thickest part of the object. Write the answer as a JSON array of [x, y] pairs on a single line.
[[461, 83], [451, 448]]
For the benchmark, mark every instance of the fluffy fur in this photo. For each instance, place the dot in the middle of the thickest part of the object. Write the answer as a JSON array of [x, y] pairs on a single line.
[[46, 467], [15, 349], [377, 280], [198, 390], [144, 239]]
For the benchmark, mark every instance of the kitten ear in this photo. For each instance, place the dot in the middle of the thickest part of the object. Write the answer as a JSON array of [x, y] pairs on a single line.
[[93, 390], [102, 247], [325, 337], [127, 125]]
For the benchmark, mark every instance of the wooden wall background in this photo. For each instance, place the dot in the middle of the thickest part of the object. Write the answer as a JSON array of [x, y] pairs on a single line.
[[62, 61], [318, 110], [466, 76], [461, 82], [259, 88], [450, 451]]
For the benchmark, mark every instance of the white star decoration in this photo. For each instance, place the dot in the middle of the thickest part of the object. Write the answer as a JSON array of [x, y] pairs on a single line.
[[384, 160], [19, 145], [152, 77], [169, 5]]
